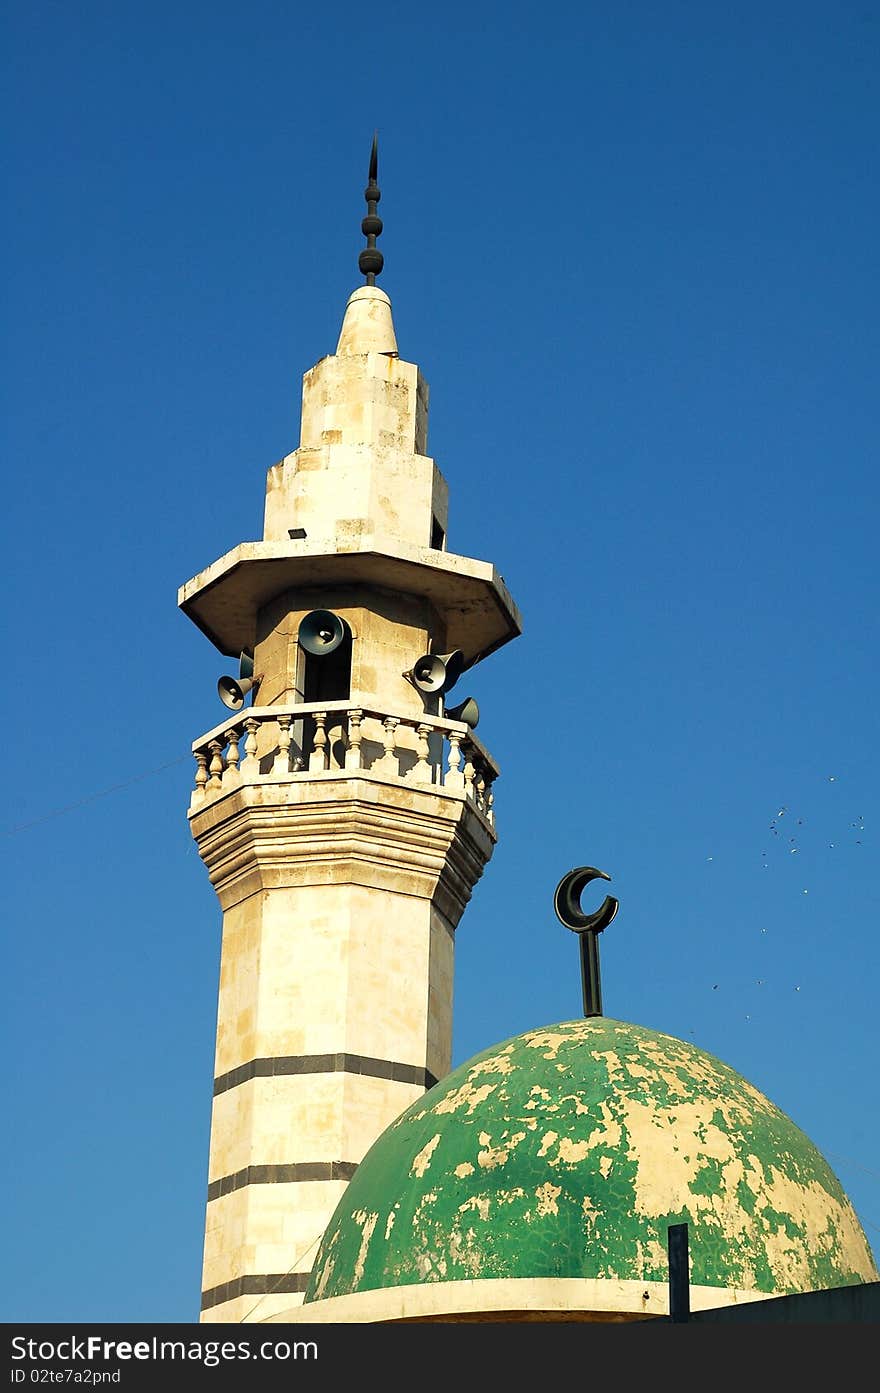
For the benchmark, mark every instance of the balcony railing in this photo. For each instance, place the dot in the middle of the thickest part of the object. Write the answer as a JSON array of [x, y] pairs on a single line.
[[271, 744]]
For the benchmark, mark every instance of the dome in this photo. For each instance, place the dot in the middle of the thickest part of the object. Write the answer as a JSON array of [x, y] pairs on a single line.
[[565, 1153]]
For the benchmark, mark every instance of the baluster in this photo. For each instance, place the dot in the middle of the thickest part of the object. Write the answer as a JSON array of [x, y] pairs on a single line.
[[215, 767], [490, 802], [250, 765], [454, 777], [353, 756], [388, 763], [480, 796], [421, 770], [281, 763], [198, 794], [319, 758], [469, 772], [231, 775]]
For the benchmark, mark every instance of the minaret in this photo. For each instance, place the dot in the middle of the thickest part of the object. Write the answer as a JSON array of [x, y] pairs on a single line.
[[344, 812]]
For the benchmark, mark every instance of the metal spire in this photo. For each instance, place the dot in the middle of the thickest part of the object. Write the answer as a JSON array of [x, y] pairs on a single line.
[[371, 260], [567, 903]]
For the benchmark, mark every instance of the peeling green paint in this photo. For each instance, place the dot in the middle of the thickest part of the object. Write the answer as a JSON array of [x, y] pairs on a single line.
[[567, 1151]]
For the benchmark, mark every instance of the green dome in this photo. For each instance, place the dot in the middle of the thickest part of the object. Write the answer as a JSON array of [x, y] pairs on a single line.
[[567, 1152]]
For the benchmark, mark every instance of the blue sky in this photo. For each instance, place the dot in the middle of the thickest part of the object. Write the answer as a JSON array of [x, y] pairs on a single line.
[[633, 249]]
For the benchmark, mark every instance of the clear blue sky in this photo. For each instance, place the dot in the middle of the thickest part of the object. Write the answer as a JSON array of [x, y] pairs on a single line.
[[633, 248]]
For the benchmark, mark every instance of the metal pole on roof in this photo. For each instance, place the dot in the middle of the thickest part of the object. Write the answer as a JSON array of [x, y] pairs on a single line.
[[679, 1273]]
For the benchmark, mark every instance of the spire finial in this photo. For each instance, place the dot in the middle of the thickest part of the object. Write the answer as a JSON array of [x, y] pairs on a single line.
[[567, 903], [371, 260]]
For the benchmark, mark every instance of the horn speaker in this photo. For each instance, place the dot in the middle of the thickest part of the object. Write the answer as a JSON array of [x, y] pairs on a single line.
[[231, 692], [321, 632], [437, 672], [467, 711]]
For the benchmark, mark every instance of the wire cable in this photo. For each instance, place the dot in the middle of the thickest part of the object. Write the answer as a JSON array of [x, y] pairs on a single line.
[[91, 797], [297, 1260]]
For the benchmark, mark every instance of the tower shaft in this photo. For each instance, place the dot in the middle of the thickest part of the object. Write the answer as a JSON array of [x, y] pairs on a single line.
[[340, 898]]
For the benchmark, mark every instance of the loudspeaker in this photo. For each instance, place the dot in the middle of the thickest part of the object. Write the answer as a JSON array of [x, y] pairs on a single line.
[[437, 672], [467, 711], [321, 632], [233, 693]]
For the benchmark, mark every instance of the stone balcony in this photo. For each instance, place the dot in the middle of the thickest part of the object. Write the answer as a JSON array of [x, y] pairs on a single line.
[[263, 745]]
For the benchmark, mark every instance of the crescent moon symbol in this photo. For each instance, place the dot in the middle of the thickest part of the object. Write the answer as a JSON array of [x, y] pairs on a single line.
[[567, 902]]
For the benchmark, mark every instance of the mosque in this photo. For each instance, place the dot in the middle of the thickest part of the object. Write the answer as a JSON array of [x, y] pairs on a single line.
[[344, 810]]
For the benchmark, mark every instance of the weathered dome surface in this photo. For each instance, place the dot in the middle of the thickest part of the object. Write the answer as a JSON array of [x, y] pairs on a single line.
[[568, 1151]]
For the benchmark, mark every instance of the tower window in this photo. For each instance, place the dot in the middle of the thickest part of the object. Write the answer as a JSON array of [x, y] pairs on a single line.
[[323, 677], [438, 536], [327, 677]]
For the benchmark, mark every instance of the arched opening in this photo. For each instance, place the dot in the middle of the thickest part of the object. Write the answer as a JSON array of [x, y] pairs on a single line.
[[327, 676], [323, 675]]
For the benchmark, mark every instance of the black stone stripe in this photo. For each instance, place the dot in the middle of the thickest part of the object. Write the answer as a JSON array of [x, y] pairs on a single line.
[[324, 1064], [253, 1284], [281, 1175]]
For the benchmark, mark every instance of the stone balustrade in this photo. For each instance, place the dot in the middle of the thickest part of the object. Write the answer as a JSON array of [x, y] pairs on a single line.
[[262, 744]]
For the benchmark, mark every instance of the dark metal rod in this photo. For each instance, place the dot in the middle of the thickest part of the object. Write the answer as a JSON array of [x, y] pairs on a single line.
[[679, 1273], [590, 980]]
